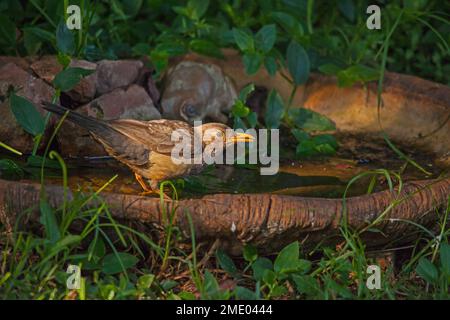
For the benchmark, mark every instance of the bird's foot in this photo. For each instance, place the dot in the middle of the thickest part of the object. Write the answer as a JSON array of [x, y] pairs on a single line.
[[152, 190]]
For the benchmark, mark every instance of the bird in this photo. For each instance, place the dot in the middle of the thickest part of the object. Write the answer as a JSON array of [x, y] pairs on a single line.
[[146, 146]]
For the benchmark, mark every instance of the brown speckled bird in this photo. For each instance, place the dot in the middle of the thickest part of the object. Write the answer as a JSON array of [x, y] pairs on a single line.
[[146, 146]]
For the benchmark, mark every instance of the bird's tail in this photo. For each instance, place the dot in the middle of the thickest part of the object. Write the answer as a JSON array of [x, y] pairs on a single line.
[[95, 126]]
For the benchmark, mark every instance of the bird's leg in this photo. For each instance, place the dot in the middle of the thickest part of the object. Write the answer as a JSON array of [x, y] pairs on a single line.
[[142, 182], [153, 188]]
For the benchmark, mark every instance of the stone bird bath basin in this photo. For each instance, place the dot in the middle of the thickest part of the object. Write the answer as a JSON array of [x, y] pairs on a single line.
[[415, 113]]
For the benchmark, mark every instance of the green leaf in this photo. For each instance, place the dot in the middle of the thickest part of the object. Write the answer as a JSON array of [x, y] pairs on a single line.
[[67, 79], [7, 32], [246, 91], [31, 42], [226, 263], [329, 69], [48, 220], [427, 270], [306, 148], [290, 24], [244, 293], [252, 119], [260, 266], [97, 249], [206, 47], [298, 63], [300, 135], [185, 295], [117, 8], [271, 65], [145, 281], [322, 144], [326, 139], [160, 60], [198, 8], [338, 289], [10, 170], [244, 40], [41, 34], [171, 49], [278, 291], [115, 263], [306, 285], [63, 59], [274, 111], [131, 7], [250, 253], [265, 38], [238, 123], [325, 149], [168, 284], [211, 287], [445, 258], [287, 259], [269, 277], [357, 73], [65, 41], [27, 115], [66, 242], [309, 120], [240, 109], [303, 266], [347, 8], [141, 49], [252, 62]]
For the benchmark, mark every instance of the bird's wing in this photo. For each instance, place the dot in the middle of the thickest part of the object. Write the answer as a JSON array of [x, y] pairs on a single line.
[[156, 135]]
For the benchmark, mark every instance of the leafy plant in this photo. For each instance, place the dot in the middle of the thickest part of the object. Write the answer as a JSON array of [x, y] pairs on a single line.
[[243, 117], [257, 48]]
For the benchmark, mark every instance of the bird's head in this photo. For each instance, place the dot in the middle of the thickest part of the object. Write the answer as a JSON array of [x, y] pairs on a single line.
[[220, 134]]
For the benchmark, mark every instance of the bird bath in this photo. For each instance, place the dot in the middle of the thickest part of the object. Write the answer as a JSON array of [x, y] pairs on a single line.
[[304, 200]]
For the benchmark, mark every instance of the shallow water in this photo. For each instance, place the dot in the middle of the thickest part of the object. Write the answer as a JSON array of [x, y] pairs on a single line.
[[318, 178], [327, 177]]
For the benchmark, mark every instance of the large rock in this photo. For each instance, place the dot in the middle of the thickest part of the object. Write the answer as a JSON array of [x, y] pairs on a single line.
[[29, 87], [48, 67], [132, 103], [117, 74]]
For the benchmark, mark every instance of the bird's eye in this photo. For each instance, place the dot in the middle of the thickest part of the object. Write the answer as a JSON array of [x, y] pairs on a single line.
[[219, 134], [189, 110]]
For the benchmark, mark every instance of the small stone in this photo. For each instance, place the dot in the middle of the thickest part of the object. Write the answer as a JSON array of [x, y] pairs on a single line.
[[116, 74]]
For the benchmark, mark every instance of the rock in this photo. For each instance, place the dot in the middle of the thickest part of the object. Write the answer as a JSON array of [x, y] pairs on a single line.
[[117, 74], [18, 61], [132, 103], [145, 80], [47, 67], [197, 91], [29, 87]]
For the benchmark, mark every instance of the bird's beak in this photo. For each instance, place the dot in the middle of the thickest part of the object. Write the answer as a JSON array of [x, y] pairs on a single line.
[[242, 137]]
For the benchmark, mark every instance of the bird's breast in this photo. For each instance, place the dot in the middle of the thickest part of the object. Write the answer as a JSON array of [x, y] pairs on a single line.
[[162, 167]]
